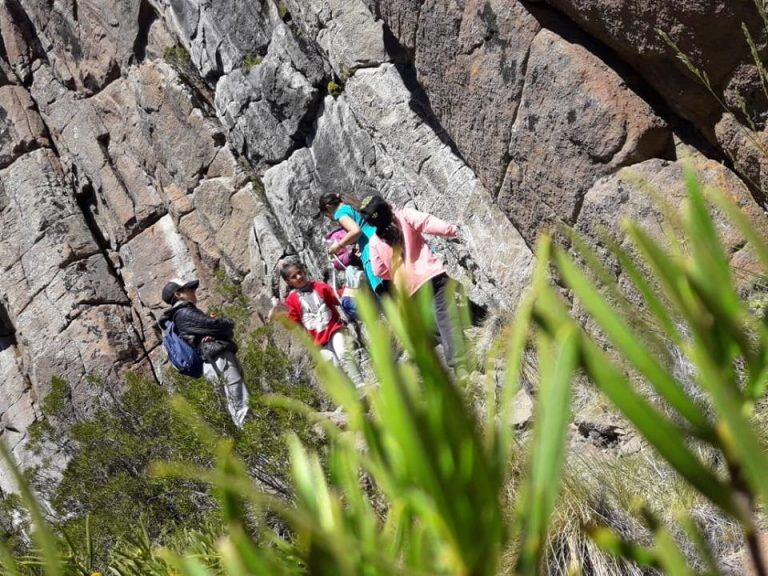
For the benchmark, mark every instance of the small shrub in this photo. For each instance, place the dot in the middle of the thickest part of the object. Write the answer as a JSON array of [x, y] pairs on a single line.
[[346, 73], [282, 11], [251, 61], [58, 400], [177, 56], [335, 89]]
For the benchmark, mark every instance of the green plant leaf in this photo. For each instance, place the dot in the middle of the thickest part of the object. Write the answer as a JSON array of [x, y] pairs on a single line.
[[668, 271], [612, 543], [740, 443], [604, 280], [665, 436], [699, 540], [521, 326], [631, 347], [41, 533], [649, 294], [559, 359], [670, 557], [8, 562]]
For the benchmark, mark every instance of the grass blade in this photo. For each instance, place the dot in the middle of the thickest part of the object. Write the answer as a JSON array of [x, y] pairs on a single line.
[[518, 341], [699, 540], [548, 452], [8, 562], [612, 543], [42, 534], [665, 436], [631, 347], [649, 294]]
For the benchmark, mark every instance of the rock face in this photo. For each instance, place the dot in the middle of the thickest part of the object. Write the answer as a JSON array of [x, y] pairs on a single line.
[[148, 139], [627, 195], [720, 51], [538, 116], [370, 139]]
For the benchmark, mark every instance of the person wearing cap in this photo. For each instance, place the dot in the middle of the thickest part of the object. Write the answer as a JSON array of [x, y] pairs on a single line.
[[213, 337], [344, 209]]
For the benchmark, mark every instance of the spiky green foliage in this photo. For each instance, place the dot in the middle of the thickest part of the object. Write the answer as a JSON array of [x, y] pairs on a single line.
[[697, 310], [415, 482], [177, 56]]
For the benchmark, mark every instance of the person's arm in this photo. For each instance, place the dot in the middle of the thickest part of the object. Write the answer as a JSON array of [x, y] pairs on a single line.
[[381, 258], [294, 307], [278, 309], [327, 294], [196, 323], [428, 224], [353, 233]]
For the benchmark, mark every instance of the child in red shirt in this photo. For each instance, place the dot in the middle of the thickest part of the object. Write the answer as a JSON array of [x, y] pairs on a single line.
[[313, 305]]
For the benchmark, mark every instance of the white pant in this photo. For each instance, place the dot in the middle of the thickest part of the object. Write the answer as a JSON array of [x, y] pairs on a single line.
[[227, 373], [336, 351]]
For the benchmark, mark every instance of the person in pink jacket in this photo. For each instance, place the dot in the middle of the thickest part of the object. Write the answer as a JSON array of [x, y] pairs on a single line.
[[399, 252]]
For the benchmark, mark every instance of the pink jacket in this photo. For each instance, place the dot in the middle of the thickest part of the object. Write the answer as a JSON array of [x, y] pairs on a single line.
[[419, 264]]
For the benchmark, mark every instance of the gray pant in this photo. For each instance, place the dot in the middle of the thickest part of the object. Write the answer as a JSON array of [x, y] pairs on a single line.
[[443, 318], [226, 372]]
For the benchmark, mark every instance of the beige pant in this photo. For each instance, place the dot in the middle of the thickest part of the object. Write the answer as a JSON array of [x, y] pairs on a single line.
[[226, 372], [339, 351]]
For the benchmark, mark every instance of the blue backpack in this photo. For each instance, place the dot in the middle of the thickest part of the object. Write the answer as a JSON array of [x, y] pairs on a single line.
[[184, 357]]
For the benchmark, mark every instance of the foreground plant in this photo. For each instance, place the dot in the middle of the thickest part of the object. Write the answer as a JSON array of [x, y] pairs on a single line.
[[414, 483], [688, 301]]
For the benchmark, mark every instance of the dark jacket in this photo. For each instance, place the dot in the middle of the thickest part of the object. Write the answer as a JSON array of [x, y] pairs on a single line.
[[193, 325]]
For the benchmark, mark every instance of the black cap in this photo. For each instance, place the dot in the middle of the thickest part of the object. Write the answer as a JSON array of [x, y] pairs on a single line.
[[376, 211], [169, 292]]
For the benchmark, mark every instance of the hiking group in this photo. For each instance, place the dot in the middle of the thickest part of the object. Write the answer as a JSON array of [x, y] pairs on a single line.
[[373, 247]]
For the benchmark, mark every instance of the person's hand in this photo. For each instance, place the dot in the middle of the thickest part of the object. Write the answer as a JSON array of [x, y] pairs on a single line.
[[333, 248], [278, 307]]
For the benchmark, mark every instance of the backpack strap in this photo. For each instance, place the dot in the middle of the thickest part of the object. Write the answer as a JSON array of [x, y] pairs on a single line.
[[335, 257], [334, 284]]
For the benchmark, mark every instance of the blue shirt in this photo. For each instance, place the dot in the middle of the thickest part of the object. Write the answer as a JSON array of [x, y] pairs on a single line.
[[363, 242]]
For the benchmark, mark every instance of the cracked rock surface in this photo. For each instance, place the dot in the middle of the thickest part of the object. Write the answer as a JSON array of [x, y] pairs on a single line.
[[147, 139]]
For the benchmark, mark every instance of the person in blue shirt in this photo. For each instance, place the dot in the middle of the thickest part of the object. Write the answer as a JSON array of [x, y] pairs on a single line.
[[344, 209]]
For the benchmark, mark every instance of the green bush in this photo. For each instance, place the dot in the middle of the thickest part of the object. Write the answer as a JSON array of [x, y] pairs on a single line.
[[177, 56], [251, 61], [107, 482], [335, 89], [107, 477]]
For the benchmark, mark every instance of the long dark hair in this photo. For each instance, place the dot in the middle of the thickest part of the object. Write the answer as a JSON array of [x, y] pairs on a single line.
[[380, 214], [332, 200]]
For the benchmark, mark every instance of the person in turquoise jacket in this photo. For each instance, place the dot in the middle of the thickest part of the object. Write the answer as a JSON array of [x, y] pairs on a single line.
[[344, 209]]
